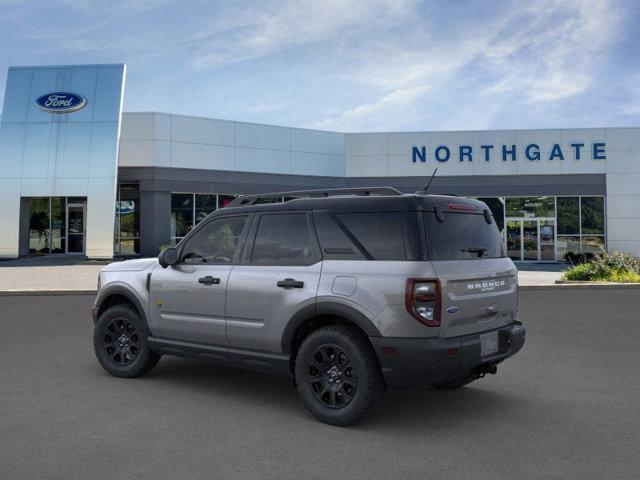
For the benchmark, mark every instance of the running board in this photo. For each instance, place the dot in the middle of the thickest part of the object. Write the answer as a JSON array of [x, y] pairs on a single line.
[[221, 355]]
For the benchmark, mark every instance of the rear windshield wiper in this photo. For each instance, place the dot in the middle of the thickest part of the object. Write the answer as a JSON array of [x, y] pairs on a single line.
[[479, 250]]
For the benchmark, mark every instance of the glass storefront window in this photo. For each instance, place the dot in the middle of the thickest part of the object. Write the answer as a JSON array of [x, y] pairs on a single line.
[[567, 244], [580, 223], [224, 200], [205, 204], [48, 226], [568, 216], [189, 209], [592, 213], [39, 225], [593, 244], [530, 207], [181, 214], [127, 226]]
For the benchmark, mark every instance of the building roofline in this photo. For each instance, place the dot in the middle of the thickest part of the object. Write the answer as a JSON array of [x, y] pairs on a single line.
[[377, 132]]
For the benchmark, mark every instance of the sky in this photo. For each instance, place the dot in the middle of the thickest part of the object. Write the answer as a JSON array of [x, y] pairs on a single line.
[[349, 65]]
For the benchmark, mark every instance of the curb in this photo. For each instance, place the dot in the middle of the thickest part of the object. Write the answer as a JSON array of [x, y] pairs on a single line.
[[21, 293]]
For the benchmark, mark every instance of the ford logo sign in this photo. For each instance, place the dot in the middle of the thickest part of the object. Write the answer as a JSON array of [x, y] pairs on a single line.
[[61, 102], [452, 309]]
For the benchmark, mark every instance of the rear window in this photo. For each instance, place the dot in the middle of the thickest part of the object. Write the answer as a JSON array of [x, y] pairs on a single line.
[[379, 233], [462, 236]]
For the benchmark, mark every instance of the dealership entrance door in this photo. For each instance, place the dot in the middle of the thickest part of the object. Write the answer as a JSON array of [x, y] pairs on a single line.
[[531, 239], [76, 220]]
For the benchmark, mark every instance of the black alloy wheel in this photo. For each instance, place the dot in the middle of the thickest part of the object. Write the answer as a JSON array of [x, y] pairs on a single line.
[[121, 341], [332, 376], [338, 376]]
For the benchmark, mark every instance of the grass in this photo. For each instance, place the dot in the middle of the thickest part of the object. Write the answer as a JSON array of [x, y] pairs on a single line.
[[587, 272]]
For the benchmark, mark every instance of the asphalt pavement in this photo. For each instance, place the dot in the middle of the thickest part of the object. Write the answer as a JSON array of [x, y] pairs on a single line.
[[568, 406]]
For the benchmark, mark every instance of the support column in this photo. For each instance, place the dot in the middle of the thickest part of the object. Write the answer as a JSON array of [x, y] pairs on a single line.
[[155, 221]]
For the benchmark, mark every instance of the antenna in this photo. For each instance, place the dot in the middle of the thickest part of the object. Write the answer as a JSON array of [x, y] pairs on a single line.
[[424, 190]]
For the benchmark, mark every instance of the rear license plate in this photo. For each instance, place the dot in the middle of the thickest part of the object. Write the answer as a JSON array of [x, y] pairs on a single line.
[[488, 344]]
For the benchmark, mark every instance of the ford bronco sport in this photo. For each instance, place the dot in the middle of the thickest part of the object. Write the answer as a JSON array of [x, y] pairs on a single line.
[[349, 291]]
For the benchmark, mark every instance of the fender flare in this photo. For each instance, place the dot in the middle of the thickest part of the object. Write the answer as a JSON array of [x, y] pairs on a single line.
[[326, 308], [121, 289]]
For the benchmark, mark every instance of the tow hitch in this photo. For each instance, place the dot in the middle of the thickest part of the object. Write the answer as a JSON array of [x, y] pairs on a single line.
[[483, 370]]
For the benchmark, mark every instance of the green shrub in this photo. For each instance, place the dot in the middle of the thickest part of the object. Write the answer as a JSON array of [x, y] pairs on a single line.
[[607, 267]]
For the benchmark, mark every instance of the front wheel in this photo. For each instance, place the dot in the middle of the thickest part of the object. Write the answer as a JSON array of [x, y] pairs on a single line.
[[120, 343], [338, 376]]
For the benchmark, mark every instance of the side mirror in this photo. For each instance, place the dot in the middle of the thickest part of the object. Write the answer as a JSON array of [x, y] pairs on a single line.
[[168, 257]]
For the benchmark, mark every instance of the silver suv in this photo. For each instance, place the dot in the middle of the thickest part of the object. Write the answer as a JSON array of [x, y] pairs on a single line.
[[348, 291]]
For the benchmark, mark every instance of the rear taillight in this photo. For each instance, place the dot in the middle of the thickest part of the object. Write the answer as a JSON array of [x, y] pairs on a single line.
[[422, 299]]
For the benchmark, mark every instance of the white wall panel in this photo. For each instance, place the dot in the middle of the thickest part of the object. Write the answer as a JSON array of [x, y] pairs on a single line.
[[71, 187], [139, 126], [75, 149], [11, 149], [35, 161], [401, 143], [201, 130], [139, 153], [198, 155], [623, 139], [632, 246], [623, 161], [623, 184], [9, 218], [314, 141], [401, 165], [303, 163], [366, 144], [263, 160], [262, 136], [100, 217], [623, 206], [366, 166]]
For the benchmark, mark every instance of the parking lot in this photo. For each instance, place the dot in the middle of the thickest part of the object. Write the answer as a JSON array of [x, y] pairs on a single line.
[[566, 407]]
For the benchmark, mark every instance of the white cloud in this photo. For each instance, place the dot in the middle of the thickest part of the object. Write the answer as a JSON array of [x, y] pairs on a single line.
[[534, 55]]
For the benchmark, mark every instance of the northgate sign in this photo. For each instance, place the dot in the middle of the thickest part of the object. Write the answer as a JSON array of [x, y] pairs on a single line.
[[531, 152]]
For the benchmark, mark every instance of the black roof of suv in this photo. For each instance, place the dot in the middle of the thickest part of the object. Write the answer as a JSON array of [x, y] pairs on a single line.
[[353, 200]]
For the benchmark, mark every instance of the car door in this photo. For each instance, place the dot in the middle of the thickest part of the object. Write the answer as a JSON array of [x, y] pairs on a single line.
[[187, 300], [278, 275]]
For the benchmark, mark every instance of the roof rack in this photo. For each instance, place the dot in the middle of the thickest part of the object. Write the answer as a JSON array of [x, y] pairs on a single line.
[[245, 200]]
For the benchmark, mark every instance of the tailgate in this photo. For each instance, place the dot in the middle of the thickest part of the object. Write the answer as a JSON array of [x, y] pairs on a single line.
[[477, 295]]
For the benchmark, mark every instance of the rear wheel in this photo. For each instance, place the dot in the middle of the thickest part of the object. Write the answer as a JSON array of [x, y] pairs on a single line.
[[337, 375], [120, 343]]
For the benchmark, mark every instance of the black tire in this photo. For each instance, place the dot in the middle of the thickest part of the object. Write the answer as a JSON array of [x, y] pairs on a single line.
[[454, 383], [348, 393], [120, 343]]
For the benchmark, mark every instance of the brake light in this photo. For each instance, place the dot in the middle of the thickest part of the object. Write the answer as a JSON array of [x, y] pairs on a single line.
[[460, 207], [422, 300]]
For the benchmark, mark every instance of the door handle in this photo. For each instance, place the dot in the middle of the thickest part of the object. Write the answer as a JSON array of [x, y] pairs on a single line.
[[290, 283], [209, 280]]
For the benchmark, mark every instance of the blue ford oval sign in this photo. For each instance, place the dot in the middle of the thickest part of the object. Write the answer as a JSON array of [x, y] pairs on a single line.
[[61, 102]]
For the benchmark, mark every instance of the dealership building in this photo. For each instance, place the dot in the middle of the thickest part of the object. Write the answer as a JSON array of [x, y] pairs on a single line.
[[80, 176]]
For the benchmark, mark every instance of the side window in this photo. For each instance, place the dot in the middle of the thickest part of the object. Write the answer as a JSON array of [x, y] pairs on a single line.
[[283, 239], [214, 243], [335, 244], [379, 233]]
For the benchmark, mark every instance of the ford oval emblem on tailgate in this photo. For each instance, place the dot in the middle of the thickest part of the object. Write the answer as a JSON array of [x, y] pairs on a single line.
[[452, 309]]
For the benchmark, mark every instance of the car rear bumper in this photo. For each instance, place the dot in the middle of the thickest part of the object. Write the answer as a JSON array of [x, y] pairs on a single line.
[[417, 362]]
